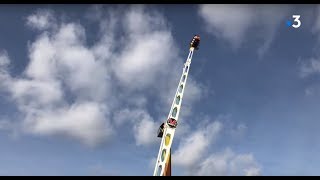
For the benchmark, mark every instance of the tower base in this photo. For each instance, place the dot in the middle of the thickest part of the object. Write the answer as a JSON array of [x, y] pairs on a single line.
[[167, 171]]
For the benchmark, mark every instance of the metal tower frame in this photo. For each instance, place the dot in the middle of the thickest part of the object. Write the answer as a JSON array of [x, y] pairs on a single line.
[[163, 163]]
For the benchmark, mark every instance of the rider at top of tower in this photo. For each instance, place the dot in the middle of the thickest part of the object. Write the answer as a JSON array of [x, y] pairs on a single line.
[[195, 42]]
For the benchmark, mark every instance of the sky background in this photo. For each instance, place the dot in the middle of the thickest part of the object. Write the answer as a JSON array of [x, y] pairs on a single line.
[[84, 88]]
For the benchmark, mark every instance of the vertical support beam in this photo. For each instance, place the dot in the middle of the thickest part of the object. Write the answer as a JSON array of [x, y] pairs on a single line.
[[164, 153], [167, 171]]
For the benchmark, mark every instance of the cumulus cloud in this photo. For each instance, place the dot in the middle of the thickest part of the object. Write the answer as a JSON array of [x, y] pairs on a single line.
[[41, 19], [4, 64], [193, 93], [84, 121], [89, 92], [4, 59], [144, 127], [144, 131], [232, 25], [192, 148], [228, 163], [61, 67], [237, 25], [134, 63], [130, 70], [196, 156], [83, 91]]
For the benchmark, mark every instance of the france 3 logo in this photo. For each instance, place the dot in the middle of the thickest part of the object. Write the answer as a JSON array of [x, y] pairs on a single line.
[[295, 23]]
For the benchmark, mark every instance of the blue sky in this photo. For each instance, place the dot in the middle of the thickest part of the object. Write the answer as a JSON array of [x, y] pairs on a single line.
[[83, 89]]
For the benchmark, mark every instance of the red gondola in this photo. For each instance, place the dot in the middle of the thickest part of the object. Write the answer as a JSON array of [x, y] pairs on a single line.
[[172, 122], [195, 42]]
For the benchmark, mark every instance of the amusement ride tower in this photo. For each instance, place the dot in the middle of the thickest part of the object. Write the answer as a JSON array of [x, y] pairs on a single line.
[[167, 129]]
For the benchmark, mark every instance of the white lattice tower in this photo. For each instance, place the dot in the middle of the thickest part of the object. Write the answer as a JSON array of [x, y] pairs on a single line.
[[168, 132]]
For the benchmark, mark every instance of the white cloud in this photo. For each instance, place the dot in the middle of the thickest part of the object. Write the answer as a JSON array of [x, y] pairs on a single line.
[[89, 92], [41, 19], [135, 62], [4, 59], [232, 25], [310, 67], [144, 127], [138, 22], [4, 62], [145, 132], [195, 156], [235, 23], [253, 171], [84, 121], [4, 70], [183, 130], [228, 163], [36, 92], [136, 67], [63, 87], [80, 91], [194, 91], [192, 148]]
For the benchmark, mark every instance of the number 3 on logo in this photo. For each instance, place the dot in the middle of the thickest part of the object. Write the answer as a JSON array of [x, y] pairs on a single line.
[[296, 19]]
